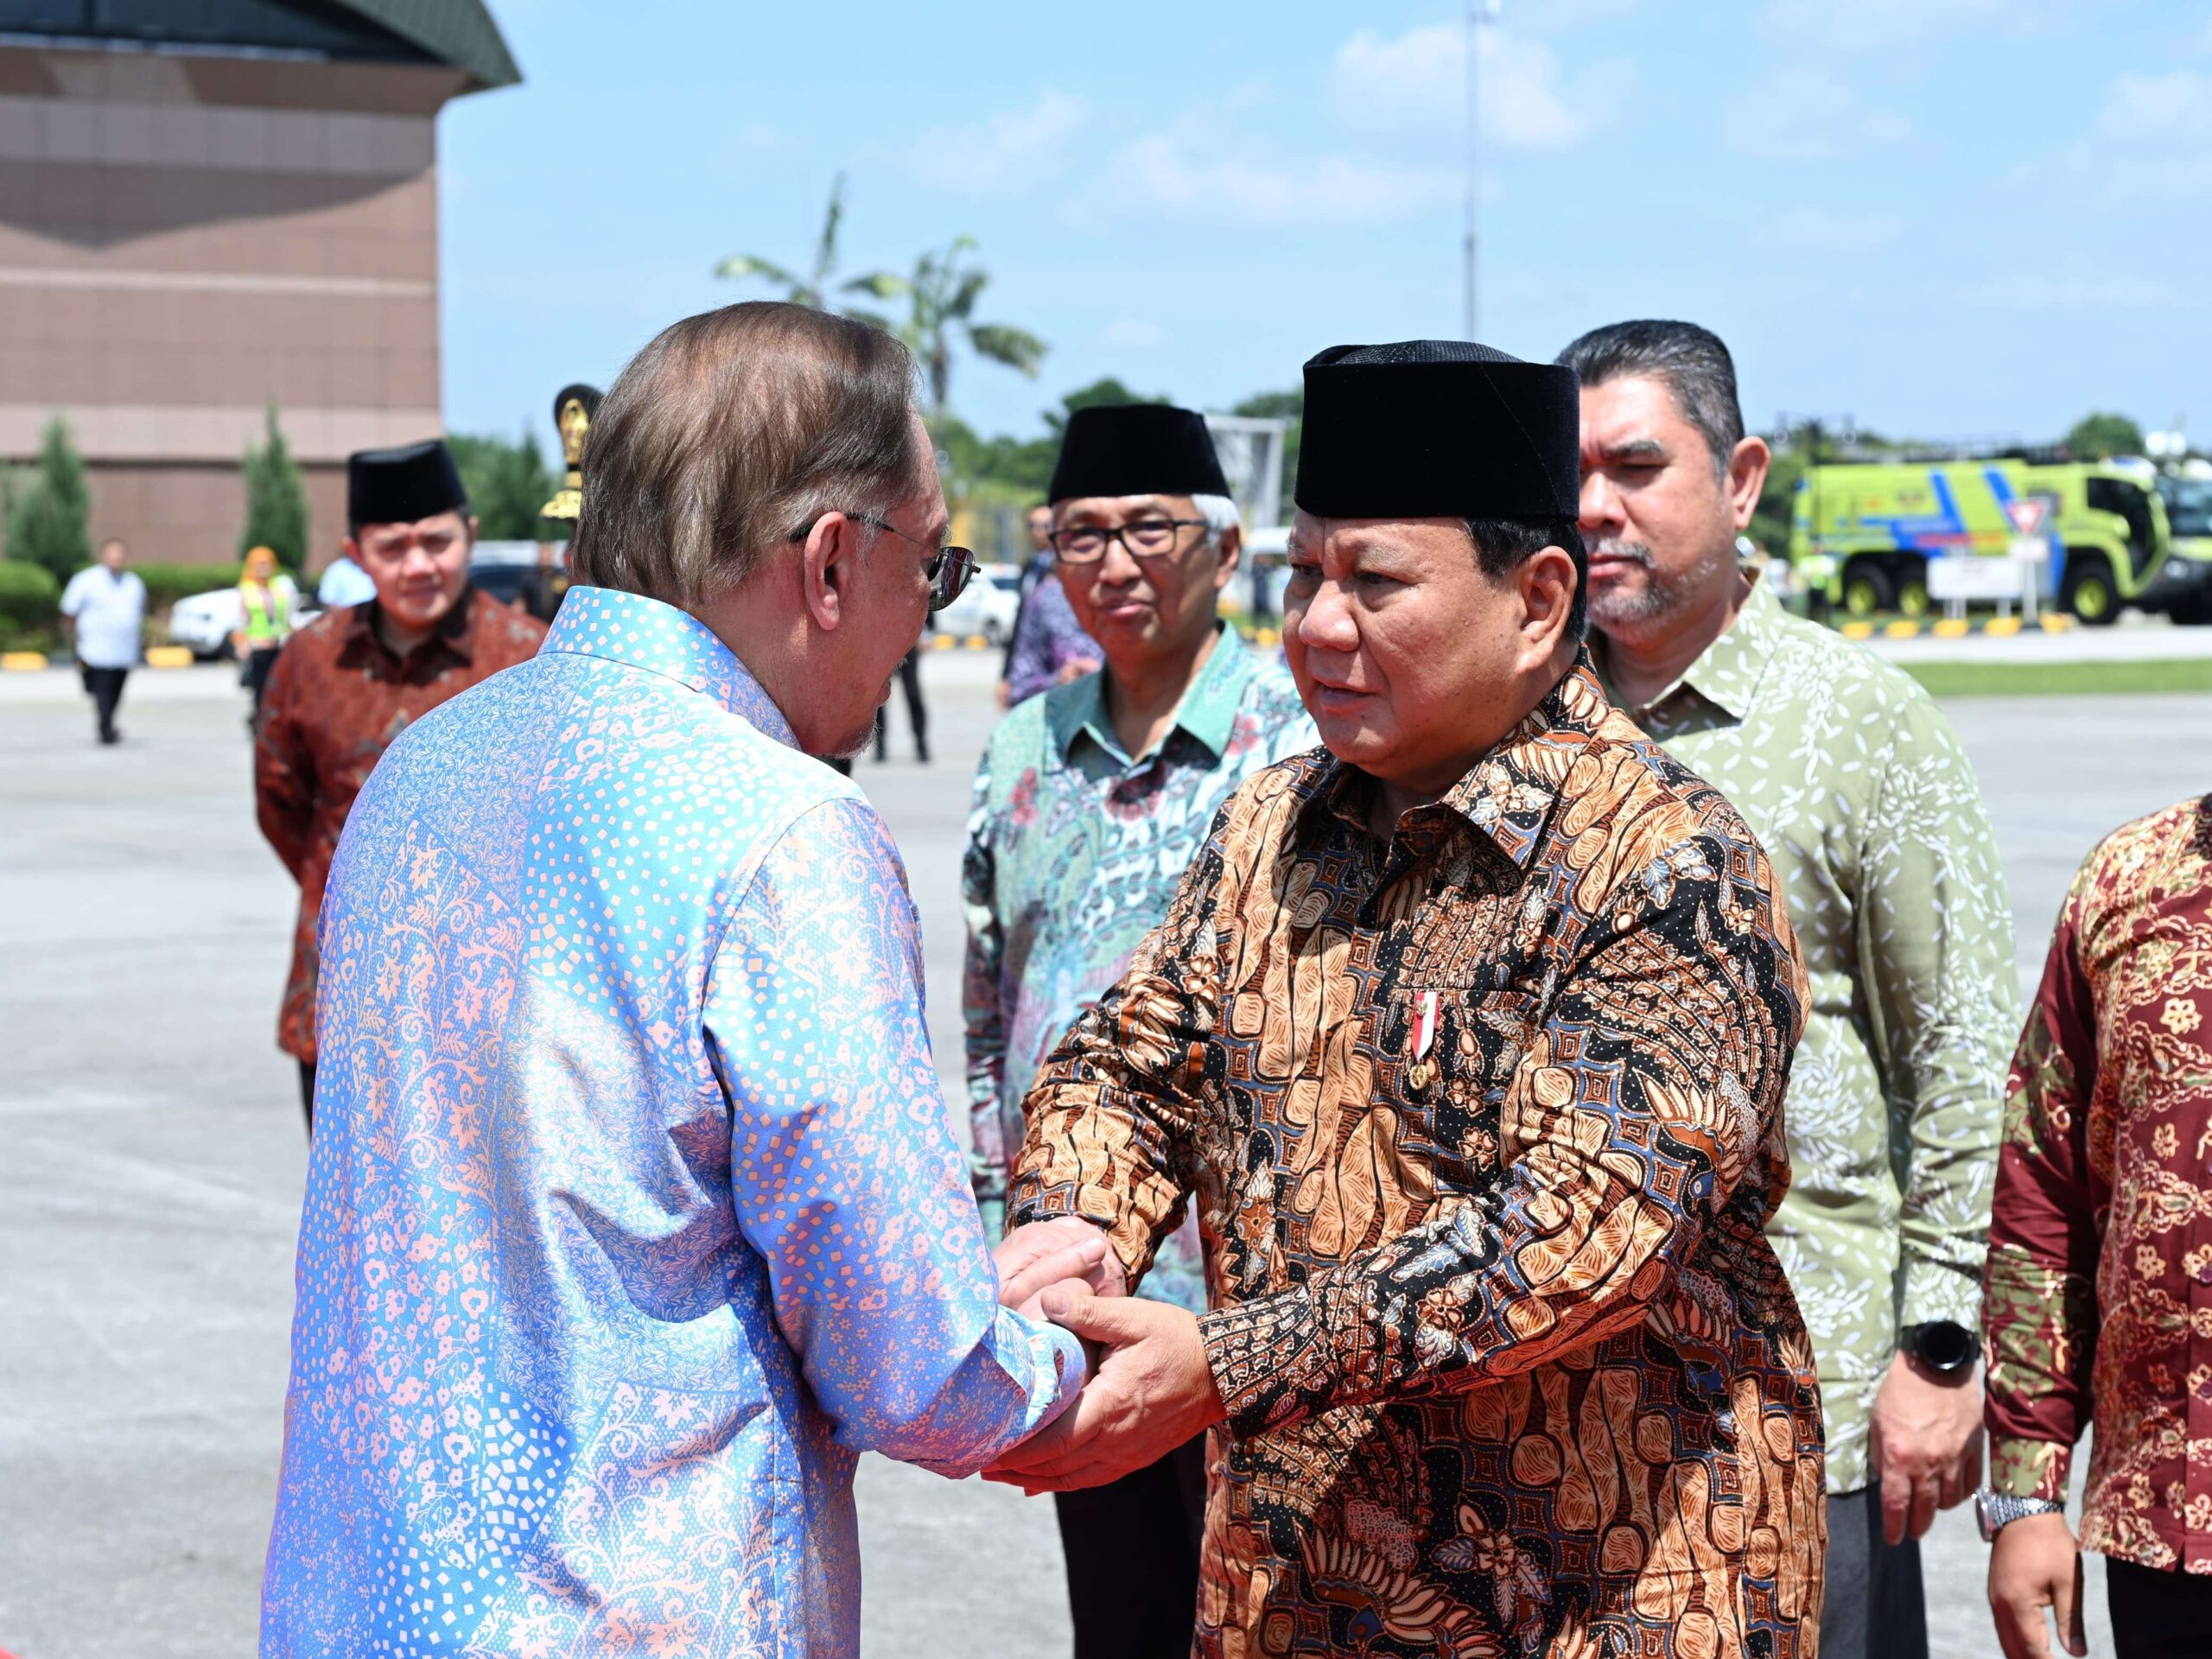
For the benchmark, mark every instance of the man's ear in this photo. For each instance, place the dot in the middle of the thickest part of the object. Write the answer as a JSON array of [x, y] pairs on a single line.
[[1227, 555], [826, 569], [1747, 465], [1546, 582]]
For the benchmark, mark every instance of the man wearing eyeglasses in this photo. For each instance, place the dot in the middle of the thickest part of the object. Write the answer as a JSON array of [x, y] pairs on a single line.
[[353, 680], [1090, 802]]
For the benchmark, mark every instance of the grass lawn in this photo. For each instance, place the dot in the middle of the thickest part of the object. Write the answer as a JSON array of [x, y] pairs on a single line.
[[2069, 679]]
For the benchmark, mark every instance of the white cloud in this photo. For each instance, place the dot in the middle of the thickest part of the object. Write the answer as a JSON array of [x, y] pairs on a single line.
[[1878, 25], [1004, 154], [2173, 108], [1198, 171], [1816, 230], [2035, 293], [1805, 113], [1417, 82], [1132, 333]]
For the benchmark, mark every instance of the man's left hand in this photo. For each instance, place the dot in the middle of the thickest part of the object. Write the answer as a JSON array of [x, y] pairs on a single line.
[[1926, 1443], [1153, 1391]]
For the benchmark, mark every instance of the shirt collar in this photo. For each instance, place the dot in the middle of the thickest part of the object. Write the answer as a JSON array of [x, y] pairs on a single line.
[[645, 633], [1509, 793], [1207, 712], [1727, 672]]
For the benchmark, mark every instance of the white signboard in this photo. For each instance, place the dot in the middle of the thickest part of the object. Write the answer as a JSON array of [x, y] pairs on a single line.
[[1250, 447], [1971, 579]]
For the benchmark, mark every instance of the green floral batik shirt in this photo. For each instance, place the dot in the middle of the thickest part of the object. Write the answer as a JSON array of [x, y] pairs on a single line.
[[1869, 810]]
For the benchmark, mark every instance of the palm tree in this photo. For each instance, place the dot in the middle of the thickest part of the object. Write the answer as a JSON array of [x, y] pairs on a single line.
[[813, 289], [941, 299]]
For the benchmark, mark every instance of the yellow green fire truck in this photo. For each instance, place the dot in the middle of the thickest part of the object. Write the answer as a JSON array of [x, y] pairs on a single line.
[[1863, 532]]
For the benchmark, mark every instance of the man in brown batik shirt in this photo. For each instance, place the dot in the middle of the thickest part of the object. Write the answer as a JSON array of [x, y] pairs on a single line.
[[1467, 1042], [349, 682]]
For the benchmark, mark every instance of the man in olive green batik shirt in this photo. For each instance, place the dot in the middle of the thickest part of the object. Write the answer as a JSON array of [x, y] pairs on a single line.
[[1869, 810]]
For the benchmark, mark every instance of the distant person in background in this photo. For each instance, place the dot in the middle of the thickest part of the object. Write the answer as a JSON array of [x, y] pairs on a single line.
[[267, 600], [106, 608], [1090, 803], [2099, 1254], [1862, 797], [1037, 566], [355, 678], [918, 713], [344, 583], [1049, 647]]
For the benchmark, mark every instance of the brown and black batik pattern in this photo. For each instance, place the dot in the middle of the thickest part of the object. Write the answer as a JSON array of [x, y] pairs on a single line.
[[2099, 1298], [1511, 1369]]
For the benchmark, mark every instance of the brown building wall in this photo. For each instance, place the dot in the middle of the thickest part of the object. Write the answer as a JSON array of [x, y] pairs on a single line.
[[187, 240]]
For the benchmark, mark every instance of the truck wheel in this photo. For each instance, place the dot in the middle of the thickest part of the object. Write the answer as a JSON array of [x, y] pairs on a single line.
[[1867, 589], [2088, 594], [1912, 591], [2192, 610]]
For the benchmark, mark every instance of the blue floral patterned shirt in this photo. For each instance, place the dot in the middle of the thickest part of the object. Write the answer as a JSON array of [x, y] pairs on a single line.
[[632, 1216], [1074, 851]]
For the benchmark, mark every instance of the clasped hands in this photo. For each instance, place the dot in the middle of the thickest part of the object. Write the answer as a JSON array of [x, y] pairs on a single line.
[[1150, 1388]]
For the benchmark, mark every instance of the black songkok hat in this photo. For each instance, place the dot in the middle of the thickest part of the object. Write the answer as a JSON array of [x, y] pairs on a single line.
[[1136, 449], [1437, 428], [398, 486]]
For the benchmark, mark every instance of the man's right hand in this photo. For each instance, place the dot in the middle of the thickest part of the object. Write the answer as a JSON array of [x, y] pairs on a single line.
[[1041, 1254], [2035, 1564]]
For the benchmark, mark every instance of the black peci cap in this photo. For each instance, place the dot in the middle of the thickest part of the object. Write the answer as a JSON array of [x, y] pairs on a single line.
[[1437, 429], [1136, 449], [398, 486]]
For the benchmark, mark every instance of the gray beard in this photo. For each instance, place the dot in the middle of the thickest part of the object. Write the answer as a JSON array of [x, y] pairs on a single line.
[[1663, 593]]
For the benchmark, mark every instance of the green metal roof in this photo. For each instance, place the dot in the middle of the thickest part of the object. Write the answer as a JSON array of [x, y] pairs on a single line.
[[458, 32]]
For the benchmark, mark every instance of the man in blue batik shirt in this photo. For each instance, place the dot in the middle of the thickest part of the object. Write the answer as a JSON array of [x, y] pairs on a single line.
[[1090, 803], [632, 1216]]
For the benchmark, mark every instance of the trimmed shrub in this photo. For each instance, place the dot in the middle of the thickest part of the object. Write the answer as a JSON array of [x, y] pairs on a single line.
[[30, 602]]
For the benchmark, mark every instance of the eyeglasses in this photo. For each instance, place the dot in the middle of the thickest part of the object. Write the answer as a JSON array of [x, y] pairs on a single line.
[[1144, 538], [948, 570]]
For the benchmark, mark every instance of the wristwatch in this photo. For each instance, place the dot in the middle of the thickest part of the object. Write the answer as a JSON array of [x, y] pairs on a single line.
[[1942, 1345], [1993, 1511]]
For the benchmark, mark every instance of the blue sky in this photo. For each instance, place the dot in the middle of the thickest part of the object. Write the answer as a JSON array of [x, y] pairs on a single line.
[[1945, 217]]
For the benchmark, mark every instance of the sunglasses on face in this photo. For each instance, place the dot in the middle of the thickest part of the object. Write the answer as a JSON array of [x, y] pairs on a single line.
[[948, 568]]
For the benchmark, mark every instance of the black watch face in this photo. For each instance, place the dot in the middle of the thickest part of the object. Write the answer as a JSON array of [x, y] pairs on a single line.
[[1945, 1346]]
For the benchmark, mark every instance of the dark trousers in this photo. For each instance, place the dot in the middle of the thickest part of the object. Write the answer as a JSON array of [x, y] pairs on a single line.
[[105, 687], [258, 662], [1133, 1559], [1874, 1608], [910, 680], [306, 1094], [2158, 1615]]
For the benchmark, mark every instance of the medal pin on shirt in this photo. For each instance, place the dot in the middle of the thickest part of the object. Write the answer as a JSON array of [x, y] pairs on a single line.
[[1418, 1043]]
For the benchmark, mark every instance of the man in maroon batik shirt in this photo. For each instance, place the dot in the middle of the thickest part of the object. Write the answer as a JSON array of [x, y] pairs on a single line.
[[2098, 1291], [352, 681]]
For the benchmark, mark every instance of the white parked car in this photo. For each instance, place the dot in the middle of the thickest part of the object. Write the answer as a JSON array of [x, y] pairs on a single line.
[[206, 621], [988, 605]]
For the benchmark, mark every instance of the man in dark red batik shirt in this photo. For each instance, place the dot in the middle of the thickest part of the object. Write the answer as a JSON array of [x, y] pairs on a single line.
[[351, 682], [2099, 1293]]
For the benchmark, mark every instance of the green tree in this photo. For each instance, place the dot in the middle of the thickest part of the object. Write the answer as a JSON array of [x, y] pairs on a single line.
[[44, 516], [2102, 434], [941, 296], [811, 287], [275, 500], [507, 483]]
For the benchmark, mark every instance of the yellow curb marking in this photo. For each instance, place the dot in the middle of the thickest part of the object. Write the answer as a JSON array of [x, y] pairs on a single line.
[[1903, 630], [2003, 627], [168, 657], [2054, 622], [22, 662], [1858, 630], [1952, 628]]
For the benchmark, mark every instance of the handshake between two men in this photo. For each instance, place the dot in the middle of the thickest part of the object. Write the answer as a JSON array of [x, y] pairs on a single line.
[[1150, 1388]]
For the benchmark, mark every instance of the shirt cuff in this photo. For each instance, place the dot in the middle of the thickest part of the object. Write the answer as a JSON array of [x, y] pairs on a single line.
[[2023, 1468], [1934, 1291], [1270, 1363]]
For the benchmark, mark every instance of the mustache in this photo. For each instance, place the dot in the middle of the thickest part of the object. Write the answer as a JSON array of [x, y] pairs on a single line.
[[1628, 552]]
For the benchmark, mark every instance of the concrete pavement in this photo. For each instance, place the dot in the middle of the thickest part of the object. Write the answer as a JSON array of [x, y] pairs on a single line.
[[151, 1157]]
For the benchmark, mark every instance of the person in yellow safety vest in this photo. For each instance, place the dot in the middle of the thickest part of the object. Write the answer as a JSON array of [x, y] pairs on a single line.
[[267, 599]]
